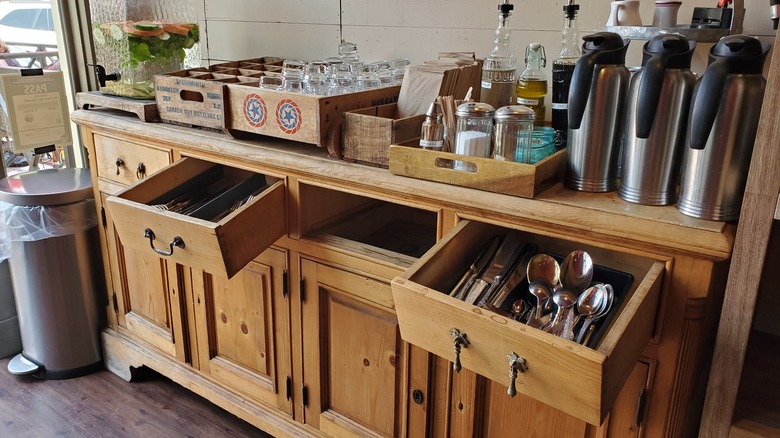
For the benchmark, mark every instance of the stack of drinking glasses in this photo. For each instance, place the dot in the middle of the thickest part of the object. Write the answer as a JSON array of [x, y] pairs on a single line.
[[345, 73]]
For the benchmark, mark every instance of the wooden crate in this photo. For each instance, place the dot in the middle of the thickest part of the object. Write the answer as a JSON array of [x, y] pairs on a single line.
[[517, 179], [369, 132], [300, 117], [194, 98]]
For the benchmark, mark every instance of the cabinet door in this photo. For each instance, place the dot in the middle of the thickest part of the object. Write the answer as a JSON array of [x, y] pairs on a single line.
[[352, 353], [494, 413], [149, 295], [243, 329]]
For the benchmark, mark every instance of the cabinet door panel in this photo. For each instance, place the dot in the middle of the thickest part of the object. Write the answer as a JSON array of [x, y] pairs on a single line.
[[352, 354], [242, 326], [151, 300]]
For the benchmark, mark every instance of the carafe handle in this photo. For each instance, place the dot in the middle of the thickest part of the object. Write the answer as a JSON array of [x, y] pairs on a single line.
[[580, 88], [649, 94], [706, 102]]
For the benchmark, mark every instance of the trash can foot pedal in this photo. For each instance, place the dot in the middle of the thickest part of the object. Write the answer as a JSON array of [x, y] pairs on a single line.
[[21, 366]]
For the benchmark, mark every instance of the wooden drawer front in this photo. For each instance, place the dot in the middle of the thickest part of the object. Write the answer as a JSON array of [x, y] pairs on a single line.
[[109, 151], [578, 380], [223, 246]]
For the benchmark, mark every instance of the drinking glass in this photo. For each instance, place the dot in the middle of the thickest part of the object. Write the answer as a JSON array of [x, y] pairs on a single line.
[[315, 78], [367, 77], [271, 82], [342, 81], [398, 66]]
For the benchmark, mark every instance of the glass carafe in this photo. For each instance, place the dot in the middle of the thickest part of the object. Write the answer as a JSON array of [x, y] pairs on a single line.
[[135, 40]]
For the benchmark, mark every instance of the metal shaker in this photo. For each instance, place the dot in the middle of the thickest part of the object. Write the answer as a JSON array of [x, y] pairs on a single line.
[[659, 97], [722, 128], [596, 101]]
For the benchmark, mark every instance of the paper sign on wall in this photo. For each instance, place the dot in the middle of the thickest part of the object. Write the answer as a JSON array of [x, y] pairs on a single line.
[[37, 110]]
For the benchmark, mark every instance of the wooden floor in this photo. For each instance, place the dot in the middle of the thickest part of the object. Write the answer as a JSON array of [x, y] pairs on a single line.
[[102, 405]]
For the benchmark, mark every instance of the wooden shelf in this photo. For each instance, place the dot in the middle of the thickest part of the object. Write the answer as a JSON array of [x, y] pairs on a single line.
[[757, 411]]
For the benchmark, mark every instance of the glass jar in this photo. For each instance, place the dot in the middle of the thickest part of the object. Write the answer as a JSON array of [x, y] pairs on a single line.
[[473, 132], [514, 127], [136, 40]]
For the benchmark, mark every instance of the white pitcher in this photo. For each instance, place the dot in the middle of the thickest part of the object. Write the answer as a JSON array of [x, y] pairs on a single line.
[[624, 13]]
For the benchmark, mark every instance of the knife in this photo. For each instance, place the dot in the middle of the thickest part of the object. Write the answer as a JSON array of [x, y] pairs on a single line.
[[505, 256], [518, 275], [477, 266]]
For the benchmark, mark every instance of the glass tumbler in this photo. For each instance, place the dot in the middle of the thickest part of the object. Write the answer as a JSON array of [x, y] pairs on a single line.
[[315, 78], [514, 129], [367, 77]]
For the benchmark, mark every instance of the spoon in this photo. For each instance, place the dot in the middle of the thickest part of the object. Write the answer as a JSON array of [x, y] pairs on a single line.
[[564, 299], [543, 267], [576, 271], [608, 296], [590, 302], [543, 273], [542, 292]]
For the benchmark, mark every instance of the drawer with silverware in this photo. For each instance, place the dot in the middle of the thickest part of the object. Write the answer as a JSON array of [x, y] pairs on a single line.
[[515, 306], [201, 214]]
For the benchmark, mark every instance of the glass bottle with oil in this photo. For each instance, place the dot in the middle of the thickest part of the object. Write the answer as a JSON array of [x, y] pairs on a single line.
[[532, 84]]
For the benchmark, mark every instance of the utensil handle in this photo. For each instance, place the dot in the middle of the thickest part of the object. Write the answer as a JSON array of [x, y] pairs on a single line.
[[585, 326], [468, 274], [476, 291]]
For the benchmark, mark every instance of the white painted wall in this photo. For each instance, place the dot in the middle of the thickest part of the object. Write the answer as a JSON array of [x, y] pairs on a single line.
[[417, 29]]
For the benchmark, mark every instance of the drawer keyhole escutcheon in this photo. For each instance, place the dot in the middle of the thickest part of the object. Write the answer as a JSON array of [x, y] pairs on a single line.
[[140, 171], [177, 241], [460, 340], [119, 163], [516, 363]]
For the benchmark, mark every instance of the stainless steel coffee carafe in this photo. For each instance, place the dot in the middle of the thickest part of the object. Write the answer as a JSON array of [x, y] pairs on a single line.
[[596, 102], [659, 97], [722, 128]]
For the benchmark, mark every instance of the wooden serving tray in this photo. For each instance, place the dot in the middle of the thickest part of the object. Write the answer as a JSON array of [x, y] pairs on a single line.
[[517, 179]]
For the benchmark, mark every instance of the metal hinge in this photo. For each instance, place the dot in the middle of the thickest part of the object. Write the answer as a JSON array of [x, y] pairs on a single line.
[[305, 395], [289, 387], [103, 217], [302, 286], [285, 288], [115, 305], [640, 407]]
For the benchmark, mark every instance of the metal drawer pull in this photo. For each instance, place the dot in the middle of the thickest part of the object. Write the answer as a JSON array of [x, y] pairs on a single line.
[[140, 171], [460, 340], [516, 363], [177, 242], [119, 163]]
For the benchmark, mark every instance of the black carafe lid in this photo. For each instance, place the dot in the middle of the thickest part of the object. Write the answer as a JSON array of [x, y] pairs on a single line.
[[662, 52], [603, 48], [734, 54]]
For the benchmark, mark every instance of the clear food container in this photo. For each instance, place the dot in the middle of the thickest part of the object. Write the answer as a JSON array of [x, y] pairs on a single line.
[[135, 40]]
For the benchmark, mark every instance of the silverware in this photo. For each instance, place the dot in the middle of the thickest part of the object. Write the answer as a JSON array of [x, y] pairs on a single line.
[[513, 280], [476, 268], [505, 256]]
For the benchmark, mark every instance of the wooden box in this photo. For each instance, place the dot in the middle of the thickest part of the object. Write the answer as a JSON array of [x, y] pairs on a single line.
[[517, 179], [578, 380], [222, 236], [197, 96], [300, 117], [369, 132]]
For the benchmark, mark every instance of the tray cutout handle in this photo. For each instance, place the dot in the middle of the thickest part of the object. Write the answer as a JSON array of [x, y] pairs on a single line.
[[177, 242], [456, 165]]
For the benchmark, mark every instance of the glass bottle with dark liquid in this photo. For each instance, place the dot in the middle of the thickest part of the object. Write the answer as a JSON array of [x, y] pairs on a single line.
[[562, 71]]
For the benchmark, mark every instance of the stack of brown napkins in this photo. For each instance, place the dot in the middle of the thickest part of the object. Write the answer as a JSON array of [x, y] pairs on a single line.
[[452, 74]]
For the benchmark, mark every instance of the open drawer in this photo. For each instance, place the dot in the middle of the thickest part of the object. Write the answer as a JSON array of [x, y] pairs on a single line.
[[200, 214], [573, 378]]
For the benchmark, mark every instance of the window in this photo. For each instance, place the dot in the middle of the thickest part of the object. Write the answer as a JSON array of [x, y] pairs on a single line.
[[22, 18]]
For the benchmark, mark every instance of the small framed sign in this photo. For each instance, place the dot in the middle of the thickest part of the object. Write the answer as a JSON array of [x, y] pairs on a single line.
[[37, 110]]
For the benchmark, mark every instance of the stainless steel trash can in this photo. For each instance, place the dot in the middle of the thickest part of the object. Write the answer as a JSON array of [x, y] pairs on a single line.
[[56, 271]]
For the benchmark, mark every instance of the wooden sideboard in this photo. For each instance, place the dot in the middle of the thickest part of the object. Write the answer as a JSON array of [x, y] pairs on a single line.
[[306, 339]]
